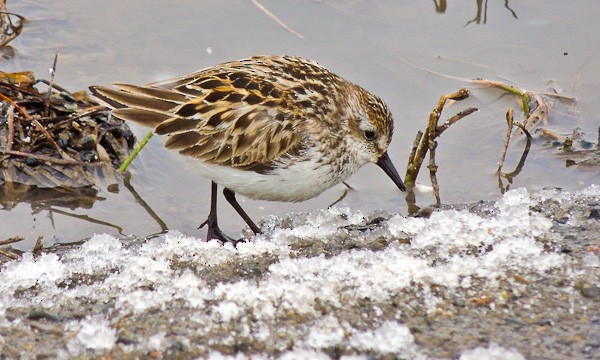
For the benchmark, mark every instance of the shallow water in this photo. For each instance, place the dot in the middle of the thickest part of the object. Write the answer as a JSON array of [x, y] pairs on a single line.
[[408, 54]]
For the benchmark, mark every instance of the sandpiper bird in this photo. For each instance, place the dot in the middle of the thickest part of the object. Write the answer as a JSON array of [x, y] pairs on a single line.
[[276, 128]]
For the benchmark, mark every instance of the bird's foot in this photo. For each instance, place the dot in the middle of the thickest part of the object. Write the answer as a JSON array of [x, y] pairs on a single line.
[[214, 232]]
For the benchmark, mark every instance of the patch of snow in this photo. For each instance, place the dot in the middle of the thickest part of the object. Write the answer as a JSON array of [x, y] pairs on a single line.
[[450, 250], [304, 354], [94, 333], [390, 338], [327, 332], [492, 352], [44, 271]]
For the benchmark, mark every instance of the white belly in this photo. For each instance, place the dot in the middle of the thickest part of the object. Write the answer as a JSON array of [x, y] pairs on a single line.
[[298, 182]]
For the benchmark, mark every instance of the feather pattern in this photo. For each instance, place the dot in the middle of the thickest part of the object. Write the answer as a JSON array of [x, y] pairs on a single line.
[[262, 115]]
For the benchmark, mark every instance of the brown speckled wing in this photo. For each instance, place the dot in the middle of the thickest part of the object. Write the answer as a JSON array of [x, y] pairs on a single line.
[[231, 115]]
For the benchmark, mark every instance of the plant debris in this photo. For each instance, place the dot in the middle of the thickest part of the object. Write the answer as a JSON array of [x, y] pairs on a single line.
[[425, 142], [509, 176], [56, 139], [10, 25], [574, 147]]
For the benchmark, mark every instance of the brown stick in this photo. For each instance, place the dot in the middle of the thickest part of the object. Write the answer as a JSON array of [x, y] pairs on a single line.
[[39, 246], [425, 142], [432, 132], [11, 240], [433, 173], [440, 129], [509, 121], [47, 158], [9, 254], [49, 94], [552, 134], [11, 127], [19, 109]]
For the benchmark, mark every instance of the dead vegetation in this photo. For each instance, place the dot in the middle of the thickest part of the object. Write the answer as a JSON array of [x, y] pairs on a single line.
[[535, 108], [11, 25], [425, 143], [55, 146], [56, 138]]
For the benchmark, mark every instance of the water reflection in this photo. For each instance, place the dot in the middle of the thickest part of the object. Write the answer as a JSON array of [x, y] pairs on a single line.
[[70, 201], [13, 194], [86, 219], [511, 175], [481, 14], [141, 202]]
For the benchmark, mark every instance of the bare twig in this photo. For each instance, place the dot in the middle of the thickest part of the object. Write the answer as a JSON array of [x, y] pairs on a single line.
[[17, 107], [521, 163], [432, 132], [433, 173], [553, 135], [510, 176], [411, 200], [11, 127], [275, 18], [440, 129], [39, 246], [9, 30], [425, 142], [48, 158], [413, 150], [510, 121], [49, 94], [51, 85], [9, 254], [12, 240]]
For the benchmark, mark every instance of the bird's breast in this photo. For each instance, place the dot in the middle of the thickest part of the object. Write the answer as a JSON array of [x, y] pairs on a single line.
[[293, 180]]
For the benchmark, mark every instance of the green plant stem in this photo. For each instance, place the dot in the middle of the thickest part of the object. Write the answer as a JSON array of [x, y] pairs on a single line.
[[138, 147]]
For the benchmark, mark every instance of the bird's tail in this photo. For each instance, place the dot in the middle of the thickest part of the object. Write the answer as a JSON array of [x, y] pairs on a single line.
[[144, 105]]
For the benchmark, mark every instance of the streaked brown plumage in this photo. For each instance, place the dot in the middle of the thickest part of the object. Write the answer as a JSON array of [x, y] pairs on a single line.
[[269, 127]]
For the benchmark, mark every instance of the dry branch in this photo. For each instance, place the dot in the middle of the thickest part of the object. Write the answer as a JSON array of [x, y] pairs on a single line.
[[425, 142], [9, 28], [510, 122], [510, 176]]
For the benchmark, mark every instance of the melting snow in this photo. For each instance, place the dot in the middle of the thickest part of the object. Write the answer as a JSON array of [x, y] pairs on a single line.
[[136, 279]]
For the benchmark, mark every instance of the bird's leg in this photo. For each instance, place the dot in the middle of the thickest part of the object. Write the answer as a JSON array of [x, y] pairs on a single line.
[[230, 196], [214, 232]]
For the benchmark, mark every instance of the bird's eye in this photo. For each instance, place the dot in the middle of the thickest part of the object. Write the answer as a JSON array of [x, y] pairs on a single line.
[[369, 134]]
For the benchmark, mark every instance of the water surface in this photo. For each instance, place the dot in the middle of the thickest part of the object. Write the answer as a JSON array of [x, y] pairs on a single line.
[[408, 54]]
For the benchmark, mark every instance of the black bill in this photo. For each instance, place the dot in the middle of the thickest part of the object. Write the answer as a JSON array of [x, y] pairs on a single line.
[[385, 163]]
